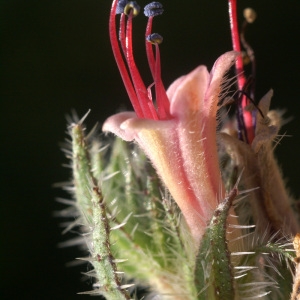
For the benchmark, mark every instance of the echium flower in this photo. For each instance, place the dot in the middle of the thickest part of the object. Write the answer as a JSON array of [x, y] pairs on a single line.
[[238, 248], [178, 131]]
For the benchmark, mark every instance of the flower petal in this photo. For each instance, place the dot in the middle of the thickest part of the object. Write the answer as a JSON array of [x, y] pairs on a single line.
[[113, 124], [160, 142], [221, 66], [194, 103], [184, 149]]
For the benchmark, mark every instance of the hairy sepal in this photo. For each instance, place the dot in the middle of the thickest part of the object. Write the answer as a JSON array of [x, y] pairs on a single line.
[[214, 272]]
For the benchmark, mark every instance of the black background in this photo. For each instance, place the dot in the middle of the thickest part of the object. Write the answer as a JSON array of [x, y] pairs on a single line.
[[56, 57]]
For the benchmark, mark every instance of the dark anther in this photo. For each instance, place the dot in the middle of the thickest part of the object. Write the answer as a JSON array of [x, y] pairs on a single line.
[[133, 7], [153, 9], [121, 6], [154, 38]]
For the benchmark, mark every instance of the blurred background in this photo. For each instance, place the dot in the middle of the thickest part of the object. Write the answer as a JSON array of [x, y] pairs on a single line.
[[55, 57]]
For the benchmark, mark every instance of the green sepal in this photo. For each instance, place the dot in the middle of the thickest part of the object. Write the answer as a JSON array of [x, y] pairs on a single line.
[[213, 271], [90, 203]]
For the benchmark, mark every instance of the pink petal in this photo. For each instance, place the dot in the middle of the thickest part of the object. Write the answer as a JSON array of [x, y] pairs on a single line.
[[113, 124], [160, 142], [190, 90], [221, 66]]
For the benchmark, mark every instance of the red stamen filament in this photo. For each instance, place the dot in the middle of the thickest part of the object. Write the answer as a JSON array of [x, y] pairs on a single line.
[[140, 88], [149, 50], [163, 103], [122, 33], [120, 62], [247, 115], [133, 82]]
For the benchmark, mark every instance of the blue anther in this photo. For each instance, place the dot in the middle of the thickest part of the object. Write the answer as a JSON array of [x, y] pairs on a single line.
[[153, 9], [121, 6], [154, 38]]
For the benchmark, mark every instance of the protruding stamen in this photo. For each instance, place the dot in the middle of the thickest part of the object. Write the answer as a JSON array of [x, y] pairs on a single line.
[[133, 7], [140, 89], [247, 116], [121, 6], [163, 105], [120, 62], [154, 38], [153, 9], [140, 97], [149, 50], [250, 16], [122, 33]]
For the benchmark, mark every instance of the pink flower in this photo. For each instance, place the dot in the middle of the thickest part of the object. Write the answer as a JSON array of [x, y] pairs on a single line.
[[179, 134]]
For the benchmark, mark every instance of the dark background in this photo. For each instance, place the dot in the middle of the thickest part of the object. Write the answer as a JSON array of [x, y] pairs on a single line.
[[55, 57]]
